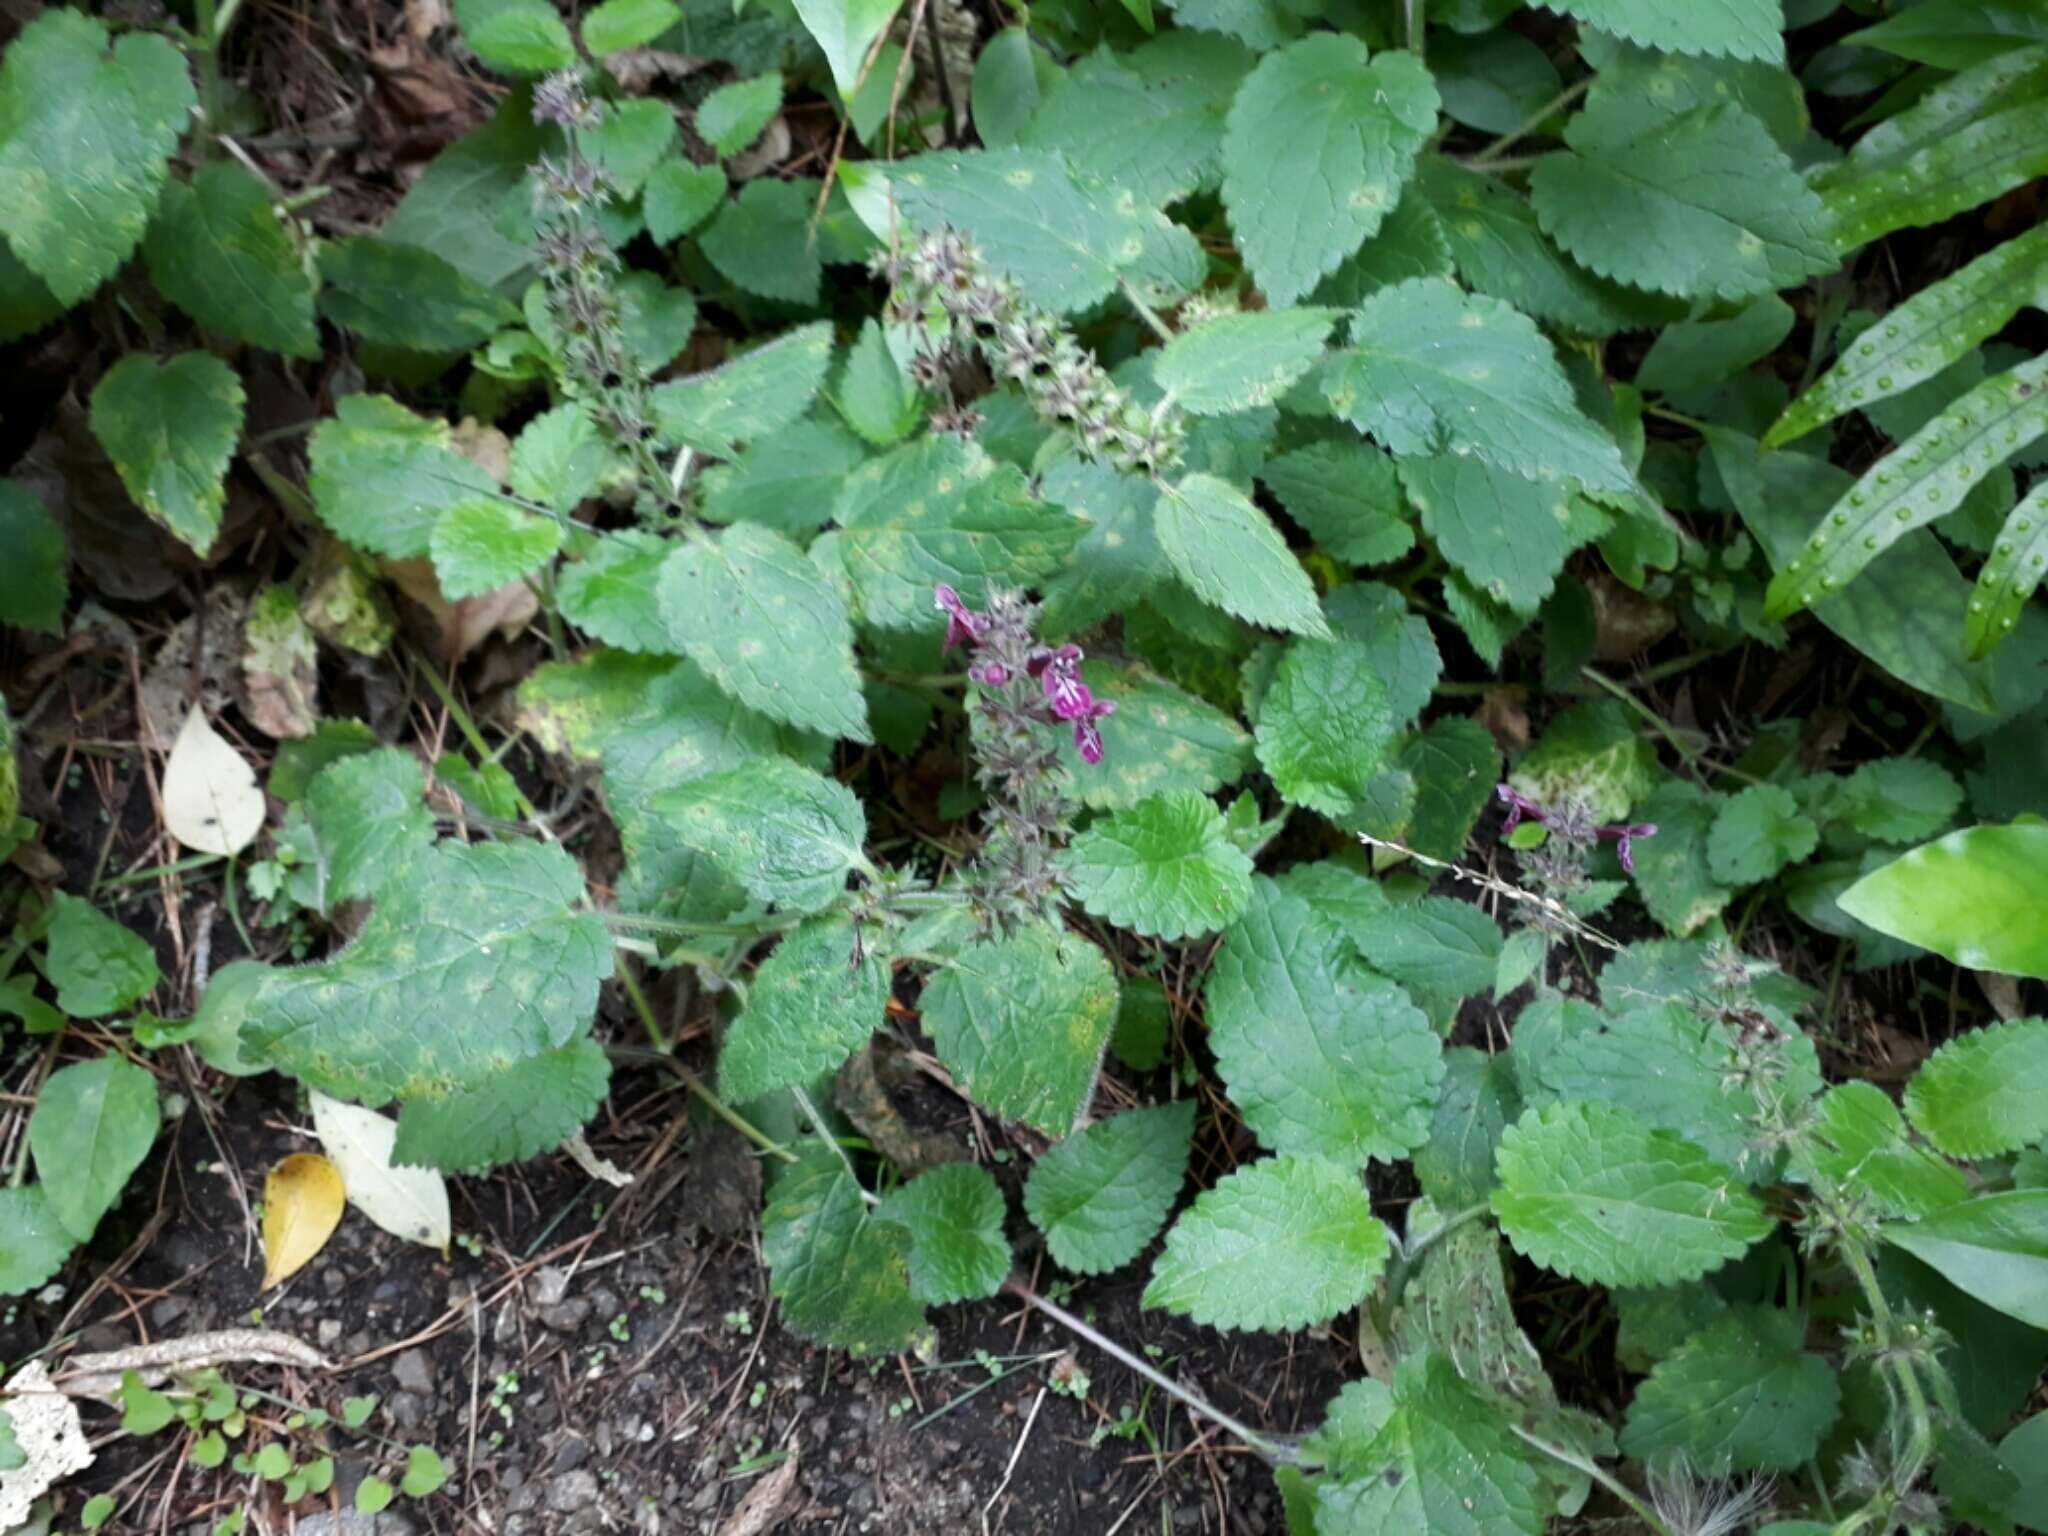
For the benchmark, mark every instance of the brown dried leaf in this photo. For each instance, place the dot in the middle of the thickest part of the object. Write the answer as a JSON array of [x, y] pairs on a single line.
[[1626, 622], [766, 1503]]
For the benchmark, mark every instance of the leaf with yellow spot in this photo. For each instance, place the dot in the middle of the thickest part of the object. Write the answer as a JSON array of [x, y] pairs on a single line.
[[302, 1203]]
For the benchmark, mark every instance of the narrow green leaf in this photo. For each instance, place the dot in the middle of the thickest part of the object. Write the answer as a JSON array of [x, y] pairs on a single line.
[[171, 431], [1102, 1194], [1932, 329], [1982, 160], [1920, 480], [2016, 566], [1279, 1244], [1954, 34], [1993, 1248]]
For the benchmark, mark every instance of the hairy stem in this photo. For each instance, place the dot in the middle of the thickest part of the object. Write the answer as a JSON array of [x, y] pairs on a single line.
[[1590, 1468]]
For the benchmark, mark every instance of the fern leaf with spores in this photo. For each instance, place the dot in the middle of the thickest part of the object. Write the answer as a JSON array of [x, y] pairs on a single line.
[[1924, 335], [2017, 565], [1920, 480], [2018, 76], [1986, 159]]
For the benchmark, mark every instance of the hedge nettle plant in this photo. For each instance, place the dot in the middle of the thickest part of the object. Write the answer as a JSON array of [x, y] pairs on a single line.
[[1151, 455]]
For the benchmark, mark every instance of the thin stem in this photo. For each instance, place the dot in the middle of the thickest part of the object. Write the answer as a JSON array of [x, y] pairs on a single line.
[[1531, 123], [1275, 1451], [1590, 1468], [803, 1102], [1418, 14], [1145, 311], [475, 737], [691, 1080]]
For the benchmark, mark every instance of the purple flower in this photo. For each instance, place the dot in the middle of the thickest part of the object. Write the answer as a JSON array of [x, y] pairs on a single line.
[[1623, 836], [963, 625], [992, 674], [1059, 674], [1086, 737]]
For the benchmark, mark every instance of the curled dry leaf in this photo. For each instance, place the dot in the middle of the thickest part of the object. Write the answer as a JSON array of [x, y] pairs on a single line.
[[302, 1203], [767, 1503], [47, 1428], [212, 802], [407, 1202]]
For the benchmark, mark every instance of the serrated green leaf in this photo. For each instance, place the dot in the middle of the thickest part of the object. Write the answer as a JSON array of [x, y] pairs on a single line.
[[787, 481], [1672, 873], [1739, 29], [629, 140], [939, 509], [559, 457], [878, 401], [1493, 81], [767, 626], [522, 1110], [1898, 799], [1704, 206], [1164, 867], [1441, 949], [1478, 1101], [405, 296], [86, 134], [618, 25], [1241, 359], [1063, 243], [1954, 34], [789, 835], [1920, 480], [381, 477], [455, 207], [1591, 754], [761, 240], [2017, 565], [94, 1122], [613, 592], [678, 197], [1676, 1071], [1986, 1092], [480, 544], [954, 1215], [1992, 1247], [1741, 1395], [1159, 739], [1287, 1000], [1167, 98], [34, 580], [171, 431], [1350, 125], [521, 37], [750, 398], [1695, 355], [1931, 330], [1858, 1139], [733, 116], [1229, 554], [1455, 766], [97, 965], [1346, 496], [33, 1243], [1593, 1192], [1508, 535], [367, 819], [1492, 235], [1757, 832], [808, 1008], [1021, 1023], [473, 959], [1102, 1194], [1409, 244], [1279, 1244], [1432, 370], [841, 1271], [1443, 1462], [1118, 561], [218, 251], [1325, 724], [1977, 162]]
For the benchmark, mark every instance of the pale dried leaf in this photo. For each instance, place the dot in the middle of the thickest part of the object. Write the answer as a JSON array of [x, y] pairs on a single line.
[[466, 624], [99, 1375], [47, 1427], [196, 663], [212, 803], [762, 1510], [407, 1202], [602, 1169]]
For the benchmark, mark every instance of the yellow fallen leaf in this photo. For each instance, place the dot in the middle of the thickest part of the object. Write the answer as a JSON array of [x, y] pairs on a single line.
[[302, 1201]]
